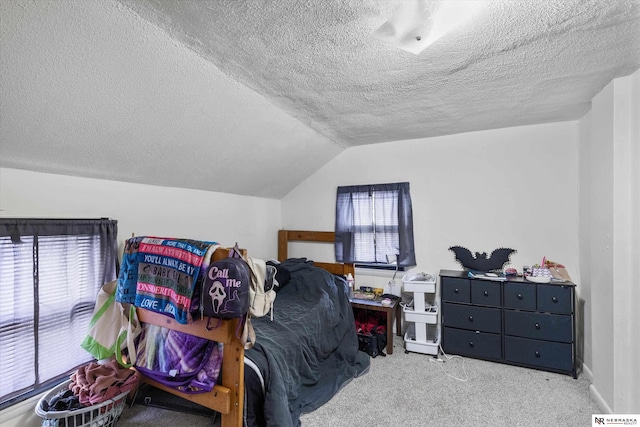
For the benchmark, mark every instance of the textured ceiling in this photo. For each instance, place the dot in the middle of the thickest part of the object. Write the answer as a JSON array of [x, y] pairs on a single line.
[[516, 62], [223, 93]]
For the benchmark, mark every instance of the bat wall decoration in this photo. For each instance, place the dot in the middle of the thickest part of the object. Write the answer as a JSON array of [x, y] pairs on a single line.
[[480, 262]]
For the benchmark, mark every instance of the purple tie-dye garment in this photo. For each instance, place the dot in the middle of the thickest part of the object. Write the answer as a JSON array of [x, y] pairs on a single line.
[[182, 361]]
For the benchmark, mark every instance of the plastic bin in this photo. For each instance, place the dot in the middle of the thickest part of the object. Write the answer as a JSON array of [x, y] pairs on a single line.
[[428, 316], [428, 345], [419, 282], [105, 414]]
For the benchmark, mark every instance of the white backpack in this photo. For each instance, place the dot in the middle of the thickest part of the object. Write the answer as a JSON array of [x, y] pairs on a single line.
[[260, 299]]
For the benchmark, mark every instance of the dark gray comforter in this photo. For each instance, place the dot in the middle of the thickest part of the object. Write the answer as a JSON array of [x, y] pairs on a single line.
[[310, 349]]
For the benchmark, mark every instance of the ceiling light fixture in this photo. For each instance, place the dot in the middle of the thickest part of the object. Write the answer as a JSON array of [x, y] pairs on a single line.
[[416, 24]]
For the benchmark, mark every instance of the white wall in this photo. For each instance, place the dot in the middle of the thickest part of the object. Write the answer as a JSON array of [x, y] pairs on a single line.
[[145, 209], [514, 187], [140, 209], [610, 238]]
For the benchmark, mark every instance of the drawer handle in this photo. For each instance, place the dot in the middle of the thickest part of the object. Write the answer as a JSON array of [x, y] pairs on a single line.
[[486, 294], [470, 318], [537, 354], [470, 343], [456, 291], [537, 325], [519, 296], [554, 299]]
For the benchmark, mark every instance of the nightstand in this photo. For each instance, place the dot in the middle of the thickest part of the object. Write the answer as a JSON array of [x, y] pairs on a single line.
[[392, 312]]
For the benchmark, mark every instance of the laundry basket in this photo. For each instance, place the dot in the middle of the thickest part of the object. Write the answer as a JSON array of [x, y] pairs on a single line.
[[104, 414]]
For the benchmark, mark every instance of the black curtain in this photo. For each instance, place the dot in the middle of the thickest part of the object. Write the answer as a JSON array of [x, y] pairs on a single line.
[[106, 228]]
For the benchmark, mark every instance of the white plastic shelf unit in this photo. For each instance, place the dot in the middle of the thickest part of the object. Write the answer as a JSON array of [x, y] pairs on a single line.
[[423, 334]]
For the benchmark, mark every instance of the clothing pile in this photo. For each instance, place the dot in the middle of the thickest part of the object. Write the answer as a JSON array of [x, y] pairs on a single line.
[[95, 383], [184, 362], [369, 322], [64, 400]]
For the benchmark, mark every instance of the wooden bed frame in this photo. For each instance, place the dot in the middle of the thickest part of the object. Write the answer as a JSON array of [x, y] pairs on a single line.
[[227, 397], [286, 236]]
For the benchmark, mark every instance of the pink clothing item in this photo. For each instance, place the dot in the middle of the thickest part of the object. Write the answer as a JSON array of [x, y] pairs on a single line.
[[95, 383]]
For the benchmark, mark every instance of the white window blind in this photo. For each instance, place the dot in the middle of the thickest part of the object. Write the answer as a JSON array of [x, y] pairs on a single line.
[[376, 226], [48, 287]]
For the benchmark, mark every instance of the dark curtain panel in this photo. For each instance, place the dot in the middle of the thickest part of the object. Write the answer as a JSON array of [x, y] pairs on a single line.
[[107, 229], [407, 254]]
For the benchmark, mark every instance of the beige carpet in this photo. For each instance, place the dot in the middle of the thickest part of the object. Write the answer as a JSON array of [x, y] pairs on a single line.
[[415, 390]]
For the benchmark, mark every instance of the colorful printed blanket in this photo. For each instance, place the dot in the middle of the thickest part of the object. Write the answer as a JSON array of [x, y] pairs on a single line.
[[161, 274]]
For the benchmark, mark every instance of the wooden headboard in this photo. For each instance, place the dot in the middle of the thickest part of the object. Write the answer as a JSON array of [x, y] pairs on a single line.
[[286, 236]]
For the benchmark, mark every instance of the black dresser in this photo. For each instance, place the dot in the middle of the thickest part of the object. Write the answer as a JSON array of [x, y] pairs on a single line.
[[514, 321]]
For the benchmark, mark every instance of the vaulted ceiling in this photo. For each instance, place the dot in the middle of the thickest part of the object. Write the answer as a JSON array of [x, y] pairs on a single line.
[[251, 97]]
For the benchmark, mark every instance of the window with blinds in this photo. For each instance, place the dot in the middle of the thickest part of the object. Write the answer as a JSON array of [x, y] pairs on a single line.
[[48, 287], [374, 222]]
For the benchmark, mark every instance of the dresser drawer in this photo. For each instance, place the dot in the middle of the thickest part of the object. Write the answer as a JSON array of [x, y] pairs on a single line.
[[555, 299], [520, 295], [485, 293], [454, 289], [542, 326], [470, 317], [539, 353], [469, 343]]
